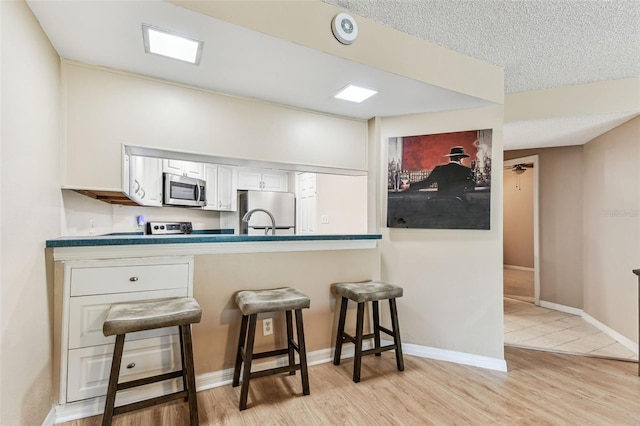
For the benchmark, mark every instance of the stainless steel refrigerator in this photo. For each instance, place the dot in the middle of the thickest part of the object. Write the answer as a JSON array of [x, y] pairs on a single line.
[[282, 205]]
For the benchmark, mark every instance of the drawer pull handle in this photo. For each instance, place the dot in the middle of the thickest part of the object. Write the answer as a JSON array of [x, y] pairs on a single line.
[[133, 279], [133, 364]]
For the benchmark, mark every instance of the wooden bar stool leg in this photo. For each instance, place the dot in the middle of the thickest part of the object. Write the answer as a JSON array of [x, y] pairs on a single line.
[[357, 359], [248, 358], [340, 333], [304, 372], [113, 381], [376, 326], [396, 334], [239, 355], [292, 358], [190, 374]]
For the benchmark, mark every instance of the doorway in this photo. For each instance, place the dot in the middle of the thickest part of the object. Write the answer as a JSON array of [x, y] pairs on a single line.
[[521, 229]]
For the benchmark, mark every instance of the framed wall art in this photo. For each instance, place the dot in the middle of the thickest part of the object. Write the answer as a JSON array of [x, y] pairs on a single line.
[[440, 181]]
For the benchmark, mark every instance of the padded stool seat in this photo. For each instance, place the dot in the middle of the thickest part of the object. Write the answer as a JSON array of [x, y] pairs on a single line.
[[368, 291], [132, 317], [280, 299], [361, 293], [252, 303]]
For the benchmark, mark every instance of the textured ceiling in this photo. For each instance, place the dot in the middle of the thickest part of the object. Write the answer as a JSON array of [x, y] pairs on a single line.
[[540, 43]]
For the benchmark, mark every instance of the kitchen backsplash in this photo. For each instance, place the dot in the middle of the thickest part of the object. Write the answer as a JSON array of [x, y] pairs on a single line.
[[85, 216]]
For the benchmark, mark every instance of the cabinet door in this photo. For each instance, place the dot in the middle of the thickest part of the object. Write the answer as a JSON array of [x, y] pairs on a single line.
[[146, 180], [250, 179], [211, 177], [89, 368], [227, 185], [87, 314], [183, 168], [172, 166], [193, 169], [274, 181]]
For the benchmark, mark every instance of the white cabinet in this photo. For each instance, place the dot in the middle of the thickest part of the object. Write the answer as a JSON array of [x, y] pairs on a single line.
[[90, 288], [262, 180], [145, 180], [222, 184], [183, 168]]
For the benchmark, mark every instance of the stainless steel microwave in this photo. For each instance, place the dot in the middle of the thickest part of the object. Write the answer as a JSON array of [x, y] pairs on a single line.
[[184, 191]]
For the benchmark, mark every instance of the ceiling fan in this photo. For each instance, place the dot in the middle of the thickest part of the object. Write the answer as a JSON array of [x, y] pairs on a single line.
[[519, 168]]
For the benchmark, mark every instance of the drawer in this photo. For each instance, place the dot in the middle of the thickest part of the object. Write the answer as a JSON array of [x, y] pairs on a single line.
[[120, 279], [87, 314], [89, 368]]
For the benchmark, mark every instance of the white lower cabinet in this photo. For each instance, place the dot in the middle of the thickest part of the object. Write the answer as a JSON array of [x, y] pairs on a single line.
[[90, 288], [89, 367]]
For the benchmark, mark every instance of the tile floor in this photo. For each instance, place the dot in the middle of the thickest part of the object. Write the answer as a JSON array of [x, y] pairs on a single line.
[[530, 326]]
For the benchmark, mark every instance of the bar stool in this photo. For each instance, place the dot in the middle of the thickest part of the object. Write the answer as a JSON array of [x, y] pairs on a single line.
[[131, 317], [252, 303], [361, 293]]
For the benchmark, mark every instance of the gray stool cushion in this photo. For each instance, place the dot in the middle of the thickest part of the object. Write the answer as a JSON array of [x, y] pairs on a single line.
[[130, 317], [281, 299], [368, 291]]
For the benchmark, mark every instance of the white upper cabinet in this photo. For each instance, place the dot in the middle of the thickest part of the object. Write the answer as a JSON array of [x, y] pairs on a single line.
[[183, 168], [221, 187], [262, 180], [145, 180]]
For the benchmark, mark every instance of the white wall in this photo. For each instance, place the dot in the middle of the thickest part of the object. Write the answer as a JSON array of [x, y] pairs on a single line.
[[105, 109], [452, 279], [31, 208]]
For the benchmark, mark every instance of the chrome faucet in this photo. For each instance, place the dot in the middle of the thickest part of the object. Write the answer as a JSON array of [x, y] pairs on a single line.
[[248, 214]]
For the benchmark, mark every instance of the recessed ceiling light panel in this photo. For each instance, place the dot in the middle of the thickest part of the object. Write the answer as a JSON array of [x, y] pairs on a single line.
[[164, 43], [355, 94]]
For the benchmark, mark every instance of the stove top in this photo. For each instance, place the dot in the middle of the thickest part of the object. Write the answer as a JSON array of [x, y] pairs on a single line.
[[168, 228]]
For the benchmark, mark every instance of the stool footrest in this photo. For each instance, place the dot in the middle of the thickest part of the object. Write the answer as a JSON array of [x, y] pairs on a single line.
[[148, 380], [149, 402], [273, 371], [378, 350], [386, 331], [268, 354]]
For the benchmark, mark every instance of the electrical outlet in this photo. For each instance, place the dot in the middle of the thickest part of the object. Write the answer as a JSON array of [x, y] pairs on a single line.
[[267, 326], [324, 218]]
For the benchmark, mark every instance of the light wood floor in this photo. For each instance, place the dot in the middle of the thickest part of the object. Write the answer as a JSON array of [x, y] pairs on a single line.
[[540, 389]]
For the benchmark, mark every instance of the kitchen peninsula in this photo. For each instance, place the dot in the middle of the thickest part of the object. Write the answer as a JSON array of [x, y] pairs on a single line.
[[93, 272]]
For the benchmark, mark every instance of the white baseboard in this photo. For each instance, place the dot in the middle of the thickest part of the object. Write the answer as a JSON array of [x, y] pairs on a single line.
[[519, 268], [624, 341], [95, 406], [50, 420], [463, 358], [562, 308]]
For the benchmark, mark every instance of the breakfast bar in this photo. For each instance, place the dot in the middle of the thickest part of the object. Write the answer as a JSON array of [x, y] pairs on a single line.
[[92, 272]]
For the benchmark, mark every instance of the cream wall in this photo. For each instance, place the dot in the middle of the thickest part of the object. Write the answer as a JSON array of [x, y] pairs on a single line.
[[30, 213], [611, 245], [344, 200], [218, 277], [560, 222], [452, 279], [518, 219], [105, 109]]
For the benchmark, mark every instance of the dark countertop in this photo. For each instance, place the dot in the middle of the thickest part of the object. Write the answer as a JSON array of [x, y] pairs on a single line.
[[119, 239]]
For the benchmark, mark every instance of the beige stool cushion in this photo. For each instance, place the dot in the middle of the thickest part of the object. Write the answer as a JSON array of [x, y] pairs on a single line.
[[368, 291], [281, 299], [130, 317]]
